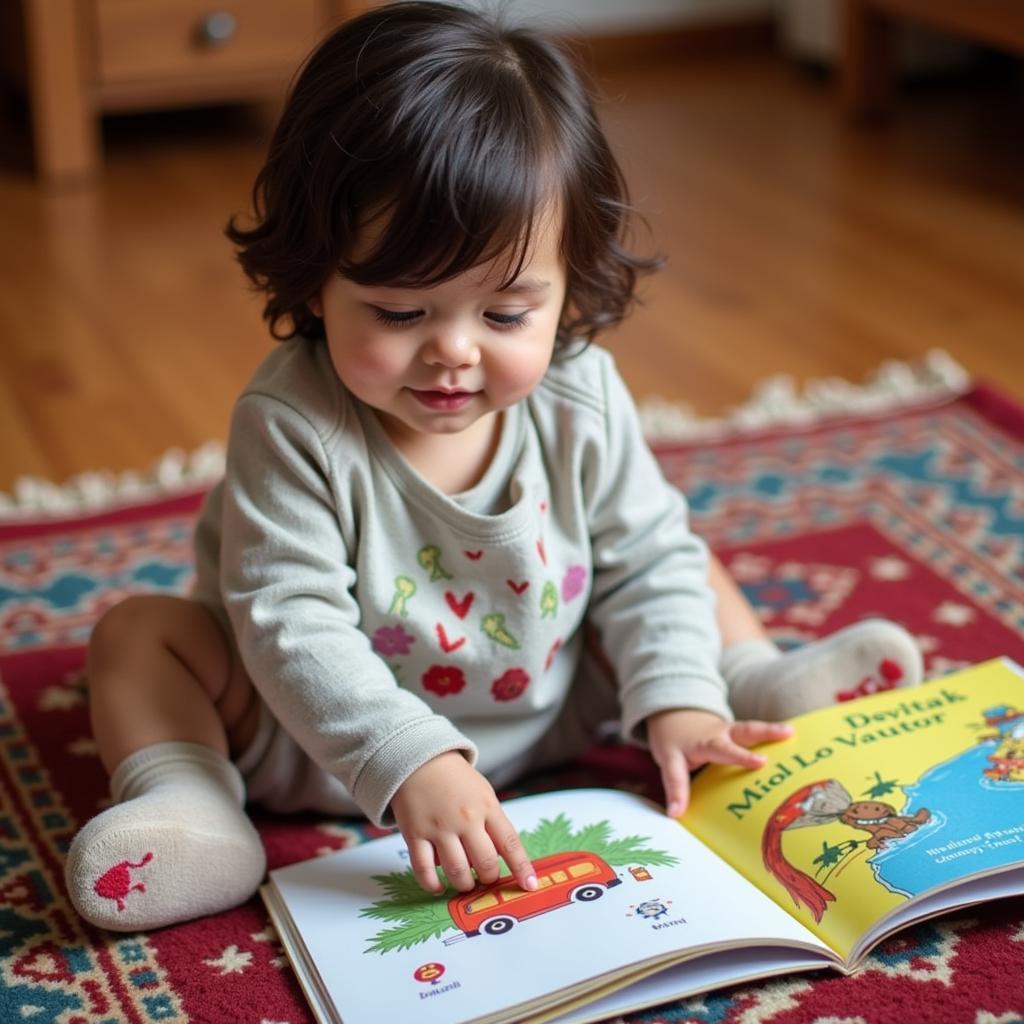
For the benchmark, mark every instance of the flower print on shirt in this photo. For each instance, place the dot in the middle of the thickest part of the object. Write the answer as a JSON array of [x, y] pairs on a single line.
[[510, 685], [573, 582], [391, 640], [444, 680]]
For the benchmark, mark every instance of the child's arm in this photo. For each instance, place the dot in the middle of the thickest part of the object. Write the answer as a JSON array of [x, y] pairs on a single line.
[[651, 601], [682, 739], [288, 581], [449, 816]]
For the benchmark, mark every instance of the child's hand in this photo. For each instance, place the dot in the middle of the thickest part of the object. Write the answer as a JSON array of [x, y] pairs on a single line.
[[448, 809], [683, 740]]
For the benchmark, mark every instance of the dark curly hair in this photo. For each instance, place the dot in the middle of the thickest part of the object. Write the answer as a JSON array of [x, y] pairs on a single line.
[[453, 130]]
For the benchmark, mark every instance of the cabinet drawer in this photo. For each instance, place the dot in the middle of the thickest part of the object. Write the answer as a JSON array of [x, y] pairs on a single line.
[[148, 40]]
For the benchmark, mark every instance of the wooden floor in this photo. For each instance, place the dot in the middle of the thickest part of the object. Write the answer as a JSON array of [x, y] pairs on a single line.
[[795, 244]]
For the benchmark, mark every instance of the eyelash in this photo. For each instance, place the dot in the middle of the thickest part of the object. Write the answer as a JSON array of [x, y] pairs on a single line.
[[502, 321]]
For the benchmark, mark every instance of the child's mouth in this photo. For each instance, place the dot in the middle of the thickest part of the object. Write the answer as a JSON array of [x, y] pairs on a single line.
[[442, 401]]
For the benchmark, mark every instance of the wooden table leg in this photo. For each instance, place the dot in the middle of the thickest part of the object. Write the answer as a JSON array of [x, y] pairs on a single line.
[[64, 121], [866, 67]]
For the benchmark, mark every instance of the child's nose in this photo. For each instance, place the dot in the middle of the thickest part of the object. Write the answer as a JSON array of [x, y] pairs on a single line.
[[452, 347]]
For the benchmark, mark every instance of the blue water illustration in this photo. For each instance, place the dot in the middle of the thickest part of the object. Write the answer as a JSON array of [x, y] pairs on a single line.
[[976, 824]]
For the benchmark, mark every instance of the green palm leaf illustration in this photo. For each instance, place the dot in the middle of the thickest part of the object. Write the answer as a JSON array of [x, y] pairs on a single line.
[[593, 837], [550, 836], [401, 887], [406, 936]]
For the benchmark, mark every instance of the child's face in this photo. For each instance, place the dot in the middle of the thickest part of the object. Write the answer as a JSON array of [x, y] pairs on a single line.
[[440, 360]]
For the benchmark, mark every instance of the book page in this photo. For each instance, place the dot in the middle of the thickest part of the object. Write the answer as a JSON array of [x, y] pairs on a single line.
[[622, 885], [680, 980], [877, 801]]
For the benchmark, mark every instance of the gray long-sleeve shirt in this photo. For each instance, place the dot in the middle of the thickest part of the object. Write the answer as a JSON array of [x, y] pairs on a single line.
[[385, 622]]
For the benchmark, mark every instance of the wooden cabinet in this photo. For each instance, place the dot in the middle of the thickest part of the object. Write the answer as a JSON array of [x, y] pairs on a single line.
[[867, 72], [83, 58]]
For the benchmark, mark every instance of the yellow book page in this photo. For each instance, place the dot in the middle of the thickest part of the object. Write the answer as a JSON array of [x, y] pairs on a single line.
[[875, 801]]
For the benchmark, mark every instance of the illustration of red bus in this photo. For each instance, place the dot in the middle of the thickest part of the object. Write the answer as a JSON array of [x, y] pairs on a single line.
[[562, 878]]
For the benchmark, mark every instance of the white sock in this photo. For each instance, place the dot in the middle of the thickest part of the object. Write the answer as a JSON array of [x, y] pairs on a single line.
[[177, 845], [867, 657]]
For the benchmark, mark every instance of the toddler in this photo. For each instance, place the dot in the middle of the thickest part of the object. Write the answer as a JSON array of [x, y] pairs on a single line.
[[433, 485]]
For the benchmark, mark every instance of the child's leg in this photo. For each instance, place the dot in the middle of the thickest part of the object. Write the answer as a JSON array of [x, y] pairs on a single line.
[[764, 683], [166, 697]]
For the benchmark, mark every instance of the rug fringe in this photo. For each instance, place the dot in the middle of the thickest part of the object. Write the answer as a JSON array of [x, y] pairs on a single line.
[[175, 472], [777, 401]]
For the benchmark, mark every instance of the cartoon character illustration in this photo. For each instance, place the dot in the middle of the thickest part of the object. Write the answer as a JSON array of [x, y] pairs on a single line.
[[562, 879], [882, 821], [1008, 757], [652, 909], [822, 803]]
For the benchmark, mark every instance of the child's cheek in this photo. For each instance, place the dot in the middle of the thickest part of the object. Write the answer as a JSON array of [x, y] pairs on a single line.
[[521, 375], [364, 368]]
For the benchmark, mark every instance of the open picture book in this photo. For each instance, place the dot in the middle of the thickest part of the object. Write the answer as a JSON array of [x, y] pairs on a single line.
[[876, 814]]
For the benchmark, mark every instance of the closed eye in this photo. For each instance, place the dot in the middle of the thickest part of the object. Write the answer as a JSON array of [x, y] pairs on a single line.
[[507, 321], [394, 317]]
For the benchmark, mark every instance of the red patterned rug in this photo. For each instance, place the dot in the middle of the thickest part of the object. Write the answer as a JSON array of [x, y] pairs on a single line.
[[915, 512]]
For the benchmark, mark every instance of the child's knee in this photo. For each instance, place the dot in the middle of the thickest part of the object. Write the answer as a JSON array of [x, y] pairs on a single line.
[[139, 631], [125, 623]]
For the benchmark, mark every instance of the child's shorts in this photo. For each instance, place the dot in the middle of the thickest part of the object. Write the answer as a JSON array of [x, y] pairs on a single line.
[[280, 776]]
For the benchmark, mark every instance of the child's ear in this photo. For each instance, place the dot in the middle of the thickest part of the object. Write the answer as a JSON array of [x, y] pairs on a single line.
[[315, 304]]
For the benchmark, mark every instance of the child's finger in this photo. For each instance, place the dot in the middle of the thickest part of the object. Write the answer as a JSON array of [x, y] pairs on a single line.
[[675, 778], [507, 842], [726, 751], [455, 864], [424, 867], [748, 733], [482, 856]]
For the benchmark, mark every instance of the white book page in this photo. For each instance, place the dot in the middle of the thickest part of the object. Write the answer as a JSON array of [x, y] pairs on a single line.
[[640, 914]]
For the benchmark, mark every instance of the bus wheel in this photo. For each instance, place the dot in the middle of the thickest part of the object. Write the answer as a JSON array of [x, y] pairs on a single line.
[[498, 925], [586, 893]]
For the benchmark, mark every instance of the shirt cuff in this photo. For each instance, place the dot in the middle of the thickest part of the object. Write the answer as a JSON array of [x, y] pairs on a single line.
[[404, 752], [671, 694]]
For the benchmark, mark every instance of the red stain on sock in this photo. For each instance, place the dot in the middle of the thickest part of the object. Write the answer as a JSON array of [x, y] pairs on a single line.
[[890, 671], [889, 675], [116, 883]]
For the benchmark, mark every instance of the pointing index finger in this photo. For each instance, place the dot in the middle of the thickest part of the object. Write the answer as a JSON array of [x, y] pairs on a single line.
[[507, 842]]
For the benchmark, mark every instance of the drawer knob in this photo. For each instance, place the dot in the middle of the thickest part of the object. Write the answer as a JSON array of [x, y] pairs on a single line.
[[217, 28]]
